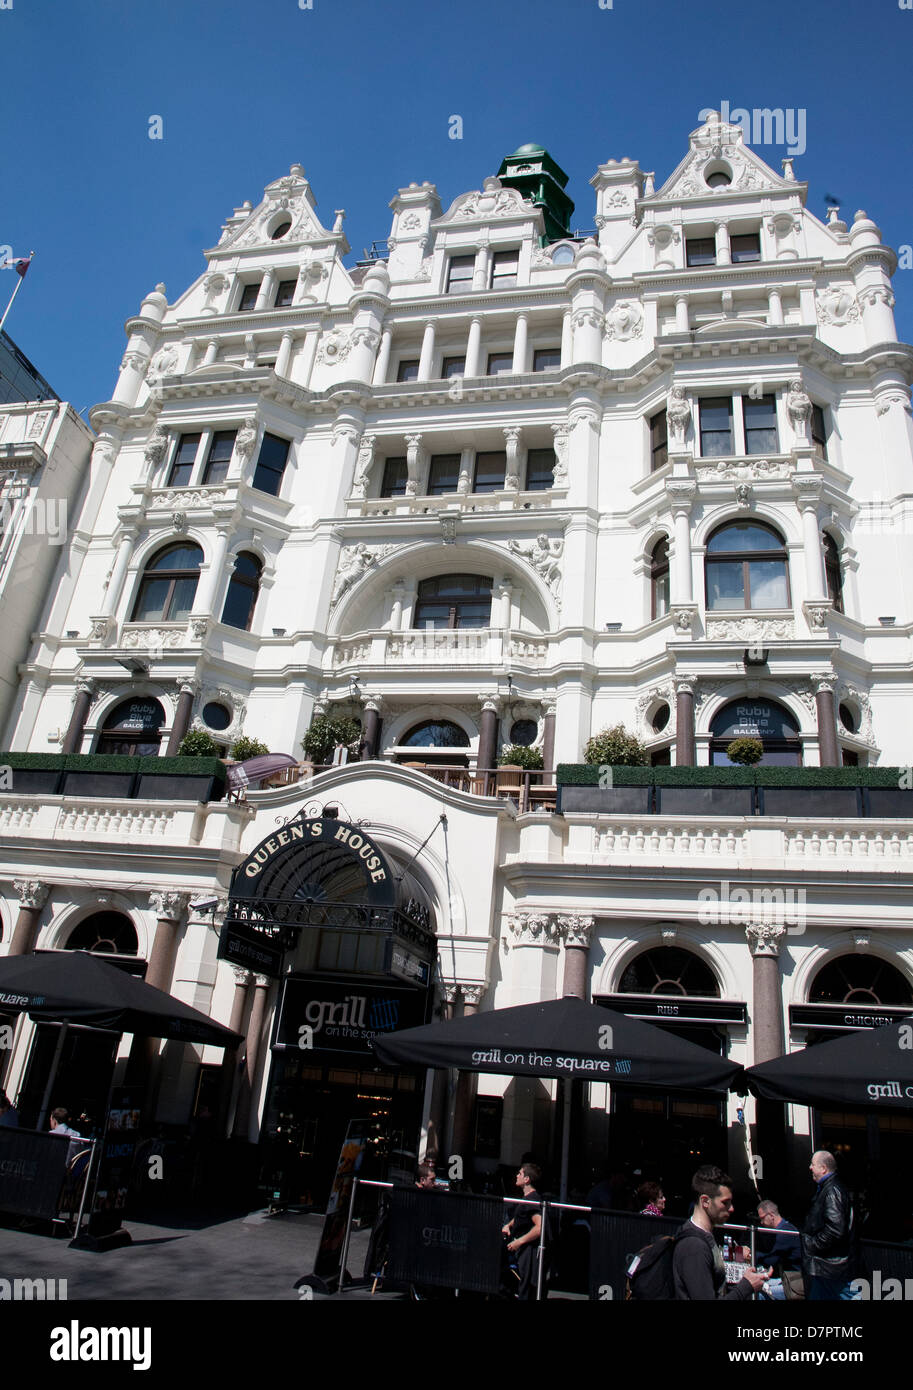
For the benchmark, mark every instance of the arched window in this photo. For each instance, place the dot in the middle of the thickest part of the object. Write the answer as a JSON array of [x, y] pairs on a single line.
[[169, 584], [436, 733], [659, 579], [762, 719], [860, 980], [105, 933], [832, 571], [243, 588], [669, 970], [133, 728], [453, 600], [746, 567]]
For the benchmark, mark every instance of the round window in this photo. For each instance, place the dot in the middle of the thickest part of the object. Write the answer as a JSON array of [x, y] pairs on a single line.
[[562, 255], [216, 716], [280, 229], [523, 732], [847, 718], [661, 719], [718, 175]]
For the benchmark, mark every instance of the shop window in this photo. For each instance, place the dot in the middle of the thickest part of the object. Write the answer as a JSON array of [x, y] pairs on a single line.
[[669, 970], [243, 588], [133, 728], [453, 600], [761, 719], [746, 567], [860, 980], [105, 933], [659, 579], [169, 585], [271, 464]]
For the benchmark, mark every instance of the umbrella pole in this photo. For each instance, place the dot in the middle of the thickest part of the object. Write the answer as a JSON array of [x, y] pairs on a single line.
[[565, 1136], [52, 1075]]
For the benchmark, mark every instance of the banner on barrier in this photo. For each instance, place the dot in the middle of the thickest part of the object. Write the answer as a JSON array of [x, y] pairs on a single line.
[[33, 1167], [450, 1240]]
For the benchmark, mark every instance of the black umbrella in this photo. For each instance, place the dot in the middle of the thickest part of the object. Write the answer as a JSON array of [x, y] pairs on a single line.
[[563, 1038], [872, 1068]]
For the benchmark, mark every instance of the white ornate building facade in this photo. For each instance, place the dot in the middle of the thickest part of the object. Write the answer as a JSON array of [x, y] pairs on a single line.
[[502, 484]]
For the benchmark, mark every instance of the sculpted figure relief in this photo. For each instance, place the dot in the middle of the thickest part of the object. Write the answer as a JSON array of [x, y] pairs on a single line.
[[678, 415]]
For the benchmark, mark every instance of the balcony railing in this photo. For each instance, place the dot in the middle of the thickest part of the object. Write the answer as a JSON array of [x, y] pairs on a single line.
[[533, 790], [486, 647]]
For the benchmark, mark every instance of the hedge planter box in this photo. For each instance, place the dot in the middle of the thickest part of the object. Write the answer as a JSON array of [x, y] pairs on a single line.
[[33, 781], [96, 784], [705, 801], [155, 788], [810, 801], [607, 801], [888, 801]]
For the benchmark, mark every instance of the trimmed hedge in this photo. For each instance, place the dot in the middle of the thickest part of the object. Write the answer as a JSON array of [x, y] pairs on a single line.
[[587, 775], [115, 762]]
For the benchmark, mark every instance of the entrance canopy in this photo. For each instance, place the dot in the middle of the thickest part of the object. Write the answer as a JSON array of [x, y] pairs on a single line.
[[562, 1038], [76, 987], [872, 1069]]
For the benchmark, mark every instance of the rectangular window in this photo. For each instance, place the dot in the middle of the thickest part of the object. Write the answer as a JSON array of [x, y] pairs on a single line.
[[490, 468], [760, 425], [271, 464], [249, 297], [819, 430], [219, 457], [745, 248], [540, 470], [500, 362], [285, 293], [459, 274], [546, 359], [443, 474], [504, 267], [408, 370], [716, 426], [394, 480], [184, 458], [453, 366], [659, 441], [700, 250]]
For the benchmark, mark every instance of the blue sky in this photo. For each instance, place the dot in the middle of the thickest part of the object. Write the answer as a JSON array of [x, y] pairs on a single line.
[[360, 93]]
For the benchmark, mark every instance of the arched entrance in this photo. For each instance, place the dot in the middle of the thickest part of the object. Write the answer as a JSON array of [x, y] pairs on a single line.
[[766, 720], [664, 1136], [349, 936]]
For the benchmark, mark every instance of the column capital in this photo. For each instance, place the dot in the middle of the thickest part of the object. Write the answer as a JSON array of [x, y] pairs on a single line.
[[450, 993], [680, 494], [86, 685], [531, 929], [242, 976], [167, 903], [824, 683], [684, 684], [807, 490], [262, 981], [764, 938], [472, 992], [575, 929], [32, 894]]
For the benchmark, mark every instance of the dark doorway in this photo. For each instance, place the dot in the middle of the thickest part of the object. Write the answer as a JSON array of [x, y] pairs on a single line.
[[83, 1078]]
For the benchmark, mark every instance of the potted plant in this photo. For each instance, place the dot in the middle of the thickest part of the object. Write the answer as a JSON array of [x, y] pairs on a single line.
[[198, 744], [745, 752], [615, 747], [519, 756], [609, 749], [326, 735]]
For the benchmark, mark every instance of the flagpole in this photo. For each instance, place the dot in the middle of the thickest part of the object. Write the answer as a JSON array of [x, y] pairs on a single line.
[[13, 295]]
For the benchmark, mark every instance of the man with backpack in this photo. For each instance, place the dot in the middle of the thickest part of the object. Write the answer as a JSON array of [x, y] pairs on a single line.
[[698, 1270]]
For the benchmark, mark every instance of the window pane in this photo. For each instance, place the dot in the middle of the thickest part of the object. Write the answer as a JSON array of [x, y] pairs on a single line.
[[767, 579], [239, 603], [432, 613], [490, 472], [540, 470], [151, 601], [395, 476], [716, 426], [504, 267], [443, 474], [743, 536], [178, 557], [182, 467], [459, 276], [819, 430], [546, 359], [271, 464], [725, 584], [760, 425], [661, 594], [700, 251], [182, 599], [220, 452], [453, 366], [285, 293], [659, 440], [408, 371], [500, 362], [249, 297], [745, 248]]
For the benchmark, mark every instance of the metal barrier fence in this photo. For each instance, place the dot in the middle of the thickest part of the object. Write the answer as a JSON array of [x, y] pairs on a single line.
[[43, 1176]]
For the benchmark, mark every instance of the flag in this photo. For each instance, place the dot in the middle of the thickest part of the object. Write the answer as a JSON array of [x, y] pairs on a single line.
[[20, 265]]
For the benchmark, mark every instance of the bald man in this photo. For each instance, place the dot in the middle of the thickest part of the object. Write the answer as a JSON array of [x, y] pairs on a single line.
[[829, 1235]]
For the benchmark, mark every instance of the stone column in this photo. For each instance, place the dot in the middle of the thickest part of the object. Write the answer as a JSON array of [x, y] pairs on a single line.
[[426, 358], [85, 690], [284, 355], [723, 249], [764, 940], [168, 908], [682, 323], [482, 267], [396, 612], [680, 495], [265, 292], [567, 339], [512, 458], [382, 365], [577, 933], [211, 353], [118, 572], [521, 338], [774, 308], [466, 1087], [807, 489], [488, 736], [413, 464], [370, 730], [243, 980], [685, 752], [548, 740], [442, 1093], [243, 1113], [181, 718], [828, 750], [474, 346], [505, 590], [32, 898], [207, 592]]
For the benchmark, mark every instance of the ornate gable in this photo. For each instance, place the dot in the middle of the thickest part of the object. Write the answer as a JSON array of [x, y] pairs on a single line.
[[286, 199], [718, 149], [492, 201]]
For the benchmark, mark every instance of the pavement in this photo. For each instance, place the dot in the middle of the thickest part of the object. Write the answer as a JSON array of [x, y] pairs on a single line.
[[253, 1256]]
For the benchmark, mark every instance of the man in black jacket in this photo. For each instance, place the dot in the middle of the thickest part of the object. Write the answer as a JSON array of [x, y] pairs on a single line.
[[697, 1261], [829, 1235]]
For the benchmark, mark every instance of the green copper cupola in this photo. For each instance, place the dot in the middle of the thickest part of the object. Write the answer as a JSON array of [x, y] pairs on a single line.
[[533, 173]]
